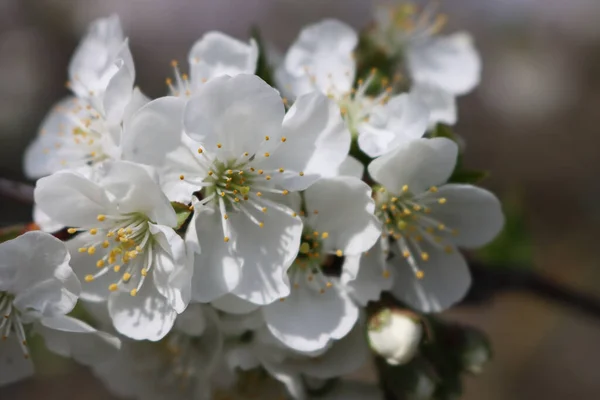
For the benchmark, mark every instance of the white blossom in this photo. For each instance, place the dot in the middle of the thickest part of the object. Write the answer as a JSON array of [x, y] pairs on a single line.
[[127, 250], [395, 335], [322, 60], [425, 220], [37, 289], [215, 54]]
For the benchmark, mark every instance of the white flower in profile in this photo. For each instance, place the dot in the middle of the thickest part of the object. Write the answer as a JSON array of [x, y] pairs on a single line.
[[426, 219], [395, 335], [127, 250], [37, 289], [214, 54], [450, 62], [180, 365], [248, 157], [322, 59], [338, 221]]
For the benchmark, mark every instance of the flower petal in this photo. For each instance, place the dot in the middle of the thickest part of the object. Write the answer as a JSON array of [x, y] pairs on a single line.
[[317, 142], [217, 54], [44, 283], [370, 280], [70, 337], [419, 164], [329, 197], [351, 167], [153, 131], [118, 94], [45, 223], [266, 252], [474, 213], [216, 268], [445, 281], [441, 104], [172, 267], [308, 321], [451, 62], [147, 316], [234, 305], [135, 190], [13, 366], [321, 58], [236, 112], [70, 198], [85, 264]]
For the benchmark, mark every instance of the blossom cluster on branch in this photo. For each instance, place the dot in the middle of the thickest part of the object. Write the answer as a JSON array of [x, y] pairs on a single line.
[[228, 239]]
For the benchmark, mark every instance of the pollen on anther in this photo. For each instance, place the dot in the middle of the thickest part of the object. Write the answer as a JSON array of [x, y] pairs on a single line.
[[144, 272], [133, 292], [226, 239], [281, 170], [200, 150], [89, 278], [261, 224], [258, 194], [91, 250], [100, 263], [267, 154], [219, 145], [117, 268], [71, 230], [339, 253], [283, 139], [285, 192], [267, 138], [419, 274], [324, 235], [442, 200], [225, 216], [405, 188], [126, 276], [93, 231], [113, 287], [424, 256], [264, 209], [181, 177]]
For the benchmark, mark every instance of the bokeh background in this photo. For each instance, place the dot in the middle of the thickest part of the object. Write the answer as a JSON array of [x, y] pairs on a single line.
[[534, 122]]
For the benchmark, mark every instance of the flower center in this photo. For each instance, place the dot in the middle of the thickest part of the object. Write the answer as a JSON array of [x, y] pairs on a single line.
[[407, 220], [237, 186], [414, 22], [11, 321], [126, 243], [307, 268], [182, 86]]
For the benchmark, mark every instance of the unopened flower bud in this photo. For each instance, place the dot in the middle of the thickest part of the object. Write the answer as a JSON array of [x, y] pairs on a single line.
[[395, 335]]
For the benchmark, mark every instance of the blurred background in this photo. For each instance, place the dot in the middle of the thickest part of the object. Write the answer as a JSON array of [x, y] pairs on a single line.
[[534, 122]]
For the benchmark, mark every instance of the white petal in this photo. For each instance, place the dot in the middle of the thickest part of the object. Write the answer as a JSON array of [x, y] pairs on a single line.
[[236, 112], [266, 252], [370, 280], [419, 164], [172, 267], [234, 305], [181, 161], [13, 365], [118, 94], [85, 264], [405, 117], [147, 316], [307, 320], [321, 58], [153, 131], [45, 223], [216, 268], [75, 339], [451, 62], [474, 212], [441, 104], [345, 211], [71, 199], [317, 142], [351, 167], [138, 100], [216, 54], [446, 280], [343, 357], [135, 189], [43, 283]]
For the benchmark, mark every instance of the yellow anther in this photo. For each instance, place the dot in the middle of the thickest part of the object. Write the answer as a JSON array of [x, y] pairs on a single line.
[[281, 170], [200, 151], [405, 188], [394, 199], [419, 274], [267, 138], [294, 214], [110, 234], [258, 194], [133, 292], [168, 81], [329, 284], [89, 278], [83, 249], [441, 227], [261, 224], [424, 256], [71, 230], [181, 177], [117, 268], [301, 173], [101, 217], [225, 216], [126, 276], [267, 154], [219, 145], [226, 239], [386, 274], [91, 250], [324, 235], [442, 200], [433, 189], [304, 248], [417, 207], [100, 263], [113, 287], [144, 272], [210, 173], [339, 253], [105, 244], [93, 231], [283, 139], [402, 225], [285, 192], [406, 254], [260, 171], [268, 177], [174, 63], [264, 209]]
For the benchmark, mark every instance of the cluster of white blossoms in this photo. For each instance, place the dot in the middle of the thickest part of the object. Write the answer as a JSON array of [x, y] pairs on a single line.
[[224, 237]]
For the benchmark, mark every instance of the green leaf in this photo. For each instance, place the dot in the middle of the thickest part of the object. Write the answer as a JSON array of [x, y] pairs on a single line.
[[183, 212], [263, 68], [11, 232]]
